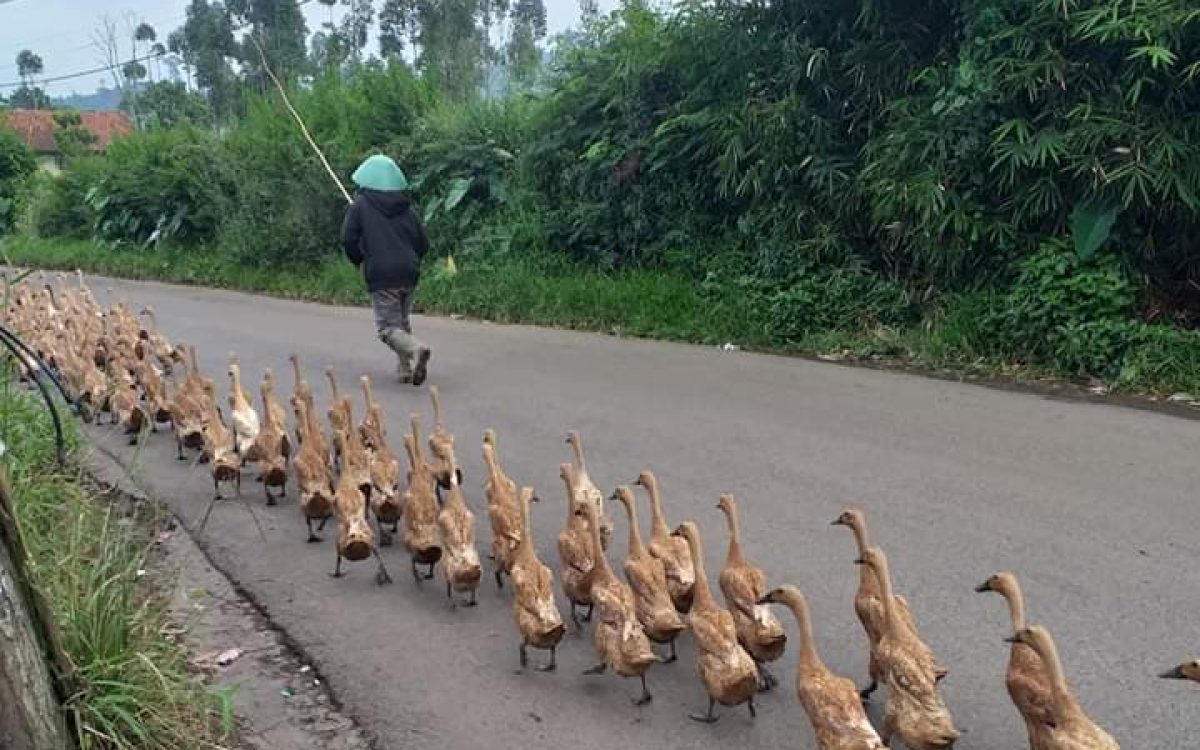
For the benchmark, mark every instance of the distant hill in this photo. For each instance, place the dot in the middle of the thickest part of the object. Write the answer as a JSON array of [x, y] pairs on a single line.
[[99, 100]]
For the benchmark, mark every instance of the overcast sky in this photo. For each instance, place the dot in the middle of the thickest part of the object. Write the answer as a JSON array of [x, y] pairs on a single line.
[[60, 31]]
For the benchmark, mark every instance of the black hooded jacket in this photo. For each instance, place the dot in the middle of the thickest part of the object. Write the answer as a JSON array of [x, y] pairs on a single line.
[[382, 234]]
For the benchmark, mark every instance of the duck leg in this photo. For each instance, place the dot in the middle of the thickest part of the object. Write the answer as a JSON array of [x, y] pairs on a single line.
[[429, 574], [674, 657], [337, 569], [381, 575], [750, 705], [499, 580], [645, 696], [588, 616], [706, 718], [865, 693], [553, 665], [450, 596], [312, 537], [323, 522], [417, 573], [598, 669], [766, 680], [523, 650], [473, 602]]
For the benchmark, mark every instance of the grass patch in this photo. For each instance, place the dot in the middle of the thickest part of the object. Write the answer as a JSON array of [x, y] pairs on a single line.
[[953, 334], [135, 689]]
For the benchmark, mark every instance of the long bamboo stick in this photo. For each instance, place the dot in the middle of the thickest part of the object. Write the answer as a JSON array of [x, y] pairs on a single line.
[[303, 129]]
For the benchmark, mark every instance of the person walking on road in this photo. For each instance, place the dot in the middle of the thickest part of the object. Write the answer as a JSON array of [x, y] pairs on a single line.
[[382, 234]]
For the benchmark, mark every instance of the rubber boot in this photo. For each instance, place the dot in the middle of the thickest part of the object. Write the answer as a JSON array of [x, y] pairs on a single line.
[[402, 344]]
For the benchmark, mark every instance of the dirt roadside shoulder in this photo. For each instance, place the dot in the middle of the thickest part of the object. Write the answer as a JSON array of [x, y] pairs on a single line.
[[279, 699]]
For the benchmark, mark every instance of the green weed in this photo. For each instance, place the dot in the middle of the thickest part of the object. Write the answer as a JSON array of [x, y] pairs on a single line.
[[134, 687]]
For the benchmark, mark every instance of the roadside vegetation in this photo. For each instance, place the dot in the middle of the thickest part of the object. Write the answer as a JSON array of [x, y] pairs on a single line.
[[134, 688], [994, 187]]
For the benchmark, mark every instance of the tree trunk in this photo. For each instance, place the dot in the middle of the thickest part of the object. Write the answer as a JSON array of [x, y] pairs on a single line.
[[30, 715]]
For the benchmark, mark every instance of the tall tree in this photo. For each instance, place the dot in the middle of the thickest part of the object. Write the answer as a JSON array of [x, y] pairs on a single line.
[[450, 37], [393, 29], [528, 28], [278, 26], [356, 25], [28, 66], [169, 103], [29, 96], [143, 35], [589, 11], [206, 44]]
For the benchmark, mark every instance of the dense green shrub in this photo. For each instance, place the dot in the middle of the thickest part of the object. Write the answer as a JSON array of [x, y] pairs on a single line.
[[170, 184], [16, 165], [56, 204], [1064, 311]]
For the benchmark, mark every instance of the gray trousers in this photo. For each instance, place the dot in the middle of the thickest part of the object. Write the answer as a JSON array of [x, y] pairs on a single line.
[[392, 308]]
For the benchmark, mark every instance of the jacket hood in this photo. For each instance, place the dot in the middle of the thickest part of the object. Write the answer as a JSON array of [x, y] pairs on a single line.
[[389, 202]]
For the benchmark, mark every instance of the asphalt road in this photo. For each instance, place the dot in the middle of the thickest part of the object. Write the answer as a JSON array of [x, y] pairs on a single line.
[[1094, 507]]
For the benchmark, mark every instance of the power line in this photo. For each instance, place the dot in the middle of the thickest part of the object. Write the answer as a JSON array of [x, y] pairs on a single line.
[[108, 68], [80, 74], [172, 22]]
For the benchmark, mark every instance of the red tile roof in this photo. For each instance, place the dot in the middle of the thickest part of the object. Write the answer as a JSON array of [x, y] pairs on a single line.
[[36, 127]]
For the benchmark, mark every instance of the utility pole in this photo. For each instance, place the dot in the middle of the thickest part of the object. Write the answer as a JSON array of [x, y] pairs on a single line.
[[31, 716]]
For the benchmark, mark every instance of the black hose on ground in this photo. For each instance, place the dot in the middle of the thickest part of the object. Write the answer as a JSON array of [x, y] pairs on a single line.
[[38, 368]]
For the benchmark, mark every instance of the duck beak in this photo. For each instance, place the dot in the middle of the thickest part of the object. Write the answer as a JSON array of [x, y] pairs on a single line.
[[859, 561], [1011, 639], [1175, 673], [982, 588], [837, 522], [768, 599]]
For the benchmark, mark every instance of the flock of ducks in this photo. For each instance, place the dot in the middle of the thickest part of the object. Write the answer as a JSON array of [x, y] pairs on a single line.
[[117, 363]]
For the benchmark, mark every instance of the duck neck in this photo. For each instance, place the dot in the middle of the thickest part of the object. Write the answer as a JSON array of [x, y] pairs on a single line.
[[235, 382], [1011, 592], [602, 566], [489, 460], [809, 658], [368, 396], [418, 459], [264, 392], [1048, 650], [381, 434], [636, 548], [526, 545], [577, 450], [703, 594], [413, 456], [569, 481], [862, 539], [437, 406], [734, 556], [658, 522], [885, 591], [296, 378]]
